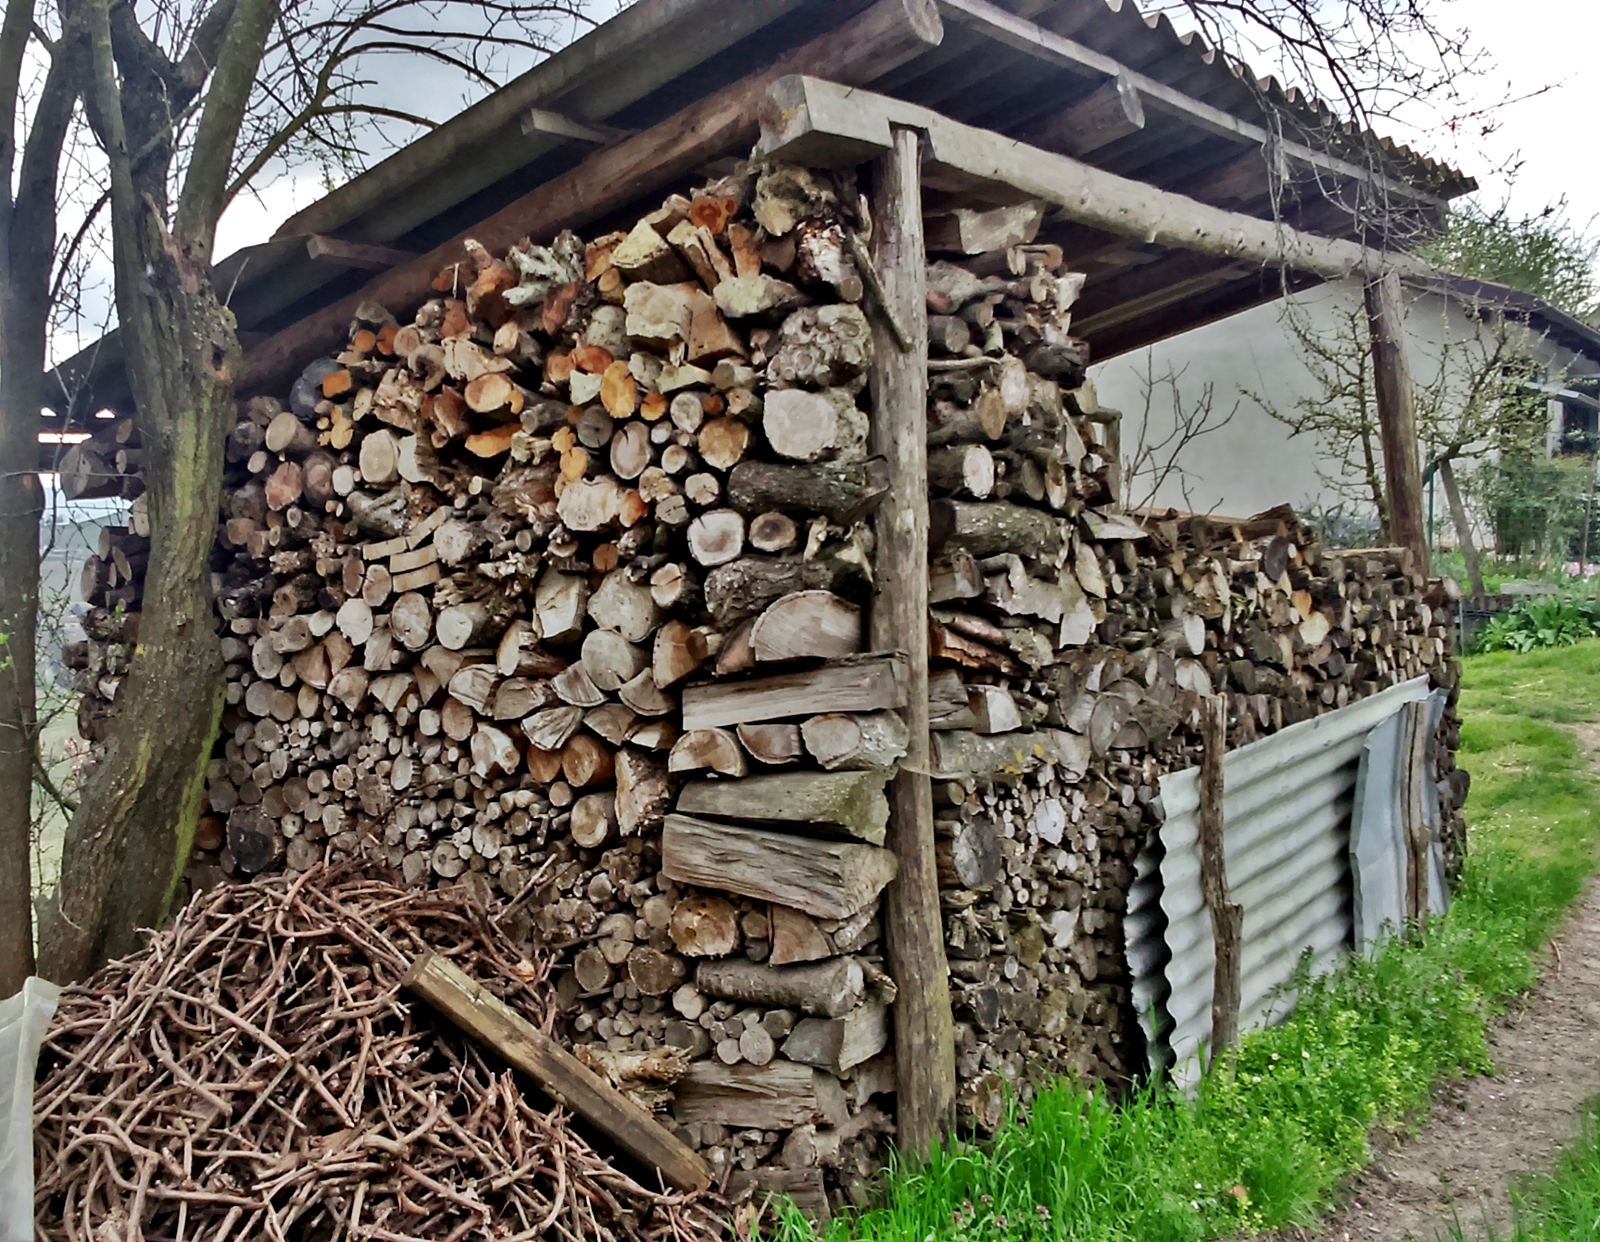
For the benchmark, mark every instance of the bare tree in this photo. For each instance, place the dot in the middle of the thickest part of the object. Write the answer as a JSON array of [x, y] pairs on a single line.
[[1168, 426], [192, 103]]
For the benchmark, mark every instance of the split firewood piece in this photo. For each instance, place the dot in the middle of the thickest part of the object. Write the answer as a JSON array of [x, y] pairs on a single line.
[[644, 255], [772, 744], [286, 485], [843, 491], [840, 1044], [948, 701], [594, 819], [956, 575], [864, 684], [355, 621], [759, 294], [697, 246], [723, 442], [961, 469], [610, 659], [644, 794], [457, 720], [286, 434], [994, 710], [516, 697], [586, 760], [631, 451], [717, 537], [784, 1095], [701, 750], [474, 685], [704, 926], [520, 655], [827, 879], [490, 1021], [559, 603], [773, 532], [574, 687], [828, 989], [849, 804], [744, 587], [807, 624], [679, 650], [611, 721], [626, 606], [493, 750], [551, 728], [795, 937], [808, 426], [870, 740], [619, 391], [463, 625], [957, 753], [380, 458], [645, 697]]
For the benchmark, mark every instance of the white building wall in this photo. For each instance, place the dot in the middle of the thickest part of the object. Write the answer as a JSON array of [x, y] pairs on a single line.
[[1253, 462]]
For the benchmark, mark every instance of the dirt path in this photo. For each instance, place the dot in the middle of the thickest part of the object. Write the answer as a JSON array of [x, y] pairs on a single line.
[[1548, 1056]]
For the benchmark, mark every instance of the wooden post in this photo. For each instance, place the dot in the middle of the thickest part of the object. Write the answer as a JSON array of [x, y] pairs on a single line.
[[1413, 821], [1227, 919], [1458, 518], [1397, 417], [924, 1035]]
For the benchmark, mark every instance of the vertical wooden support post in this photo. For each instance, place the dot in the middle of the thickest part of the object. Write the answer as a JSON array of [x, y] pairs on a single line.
[[1413, 820], [924, 1036], [1227, 919], [1397, 416]]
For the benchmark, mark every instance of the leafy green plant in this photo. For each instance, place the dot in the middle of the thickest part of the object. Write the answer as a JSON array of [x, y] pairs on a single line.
[[1539, 623], [1267, 1137]]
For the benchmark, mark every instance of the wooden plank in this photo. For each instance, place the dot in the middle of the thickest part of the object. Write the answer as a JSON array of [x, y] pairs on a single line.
[[724, 123], [825, 879], [1397, 416], [1107, 114], [1035, 40], [1413, 819], [852, 803], [355, 254], [1227, 918], [867, 683], [490, 1021], [924, 1031], [816, 122]]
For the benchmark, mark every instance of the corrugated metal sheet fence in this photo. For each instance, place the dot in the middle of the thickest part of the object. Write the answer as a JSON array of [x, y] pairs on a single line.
[[1287, 802]]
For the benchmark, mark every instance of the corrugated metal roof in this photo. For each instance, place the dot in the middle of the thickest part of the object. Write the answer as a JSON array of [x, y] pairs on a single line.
[[658, 56], [1286, 837]]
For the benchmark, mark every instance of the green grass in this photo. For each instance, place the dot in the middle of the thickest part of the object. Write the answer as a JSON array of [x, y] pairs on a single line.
[[1266, 1141]]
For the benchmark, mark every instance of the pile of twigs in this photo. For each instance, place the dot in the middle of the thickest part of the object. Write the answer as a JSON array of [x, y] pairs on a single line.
[[257, 1073]]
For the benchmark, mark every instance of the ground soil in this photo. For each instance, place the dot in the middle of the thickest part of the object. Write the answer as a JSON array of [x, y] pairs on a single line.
[[1483, 1133]]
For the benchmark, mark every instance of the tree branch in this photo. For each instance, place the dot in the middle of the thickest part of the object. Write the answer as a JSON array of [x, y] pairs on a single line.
[[15, 31], [205, 186], [201, 56]]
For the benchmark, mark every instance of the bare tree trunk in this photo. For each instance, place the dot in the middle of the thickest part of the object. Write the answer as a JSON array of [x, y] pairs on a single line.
[[130, 838], [19, 594], [1458, 519], [27, 239]]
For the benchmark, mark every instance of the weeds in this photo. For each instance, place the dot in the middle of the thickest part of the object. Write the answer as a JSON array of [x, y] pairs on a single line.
[[1268, 1136]]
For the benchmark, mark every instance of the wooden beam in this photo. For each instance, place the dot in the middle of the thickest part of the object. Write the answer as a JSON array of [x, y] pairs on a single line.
[[1105, 304], [863, 49], [355, 254], [1110, 112], [820, 123], [541, 121], [1397, 416], [564, 1078], [1035, 40], [924, 1034], [1227, 917]]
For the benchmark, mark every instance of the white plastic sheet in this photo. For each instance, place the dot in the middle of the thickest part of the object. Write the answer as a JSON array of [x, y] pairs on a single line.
[[23, 1020]]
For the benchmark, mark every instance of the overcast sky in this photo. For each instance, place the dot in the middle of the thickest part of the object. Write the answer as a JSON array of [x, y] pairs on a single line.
[[1532, 44]]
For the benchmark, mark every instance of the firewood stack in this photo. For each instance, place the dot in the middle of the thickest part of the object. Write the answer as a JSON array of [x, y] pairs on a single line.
[[556, 591]]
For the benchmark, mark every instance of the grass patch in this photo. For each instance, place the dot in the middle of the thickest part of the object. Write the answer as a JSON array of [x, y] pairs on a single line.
[[1265, 1142]]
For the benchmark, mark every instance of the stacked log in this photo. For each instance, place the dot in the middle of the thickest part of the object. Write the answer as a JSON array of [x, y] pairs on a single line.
[[556, 590]]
